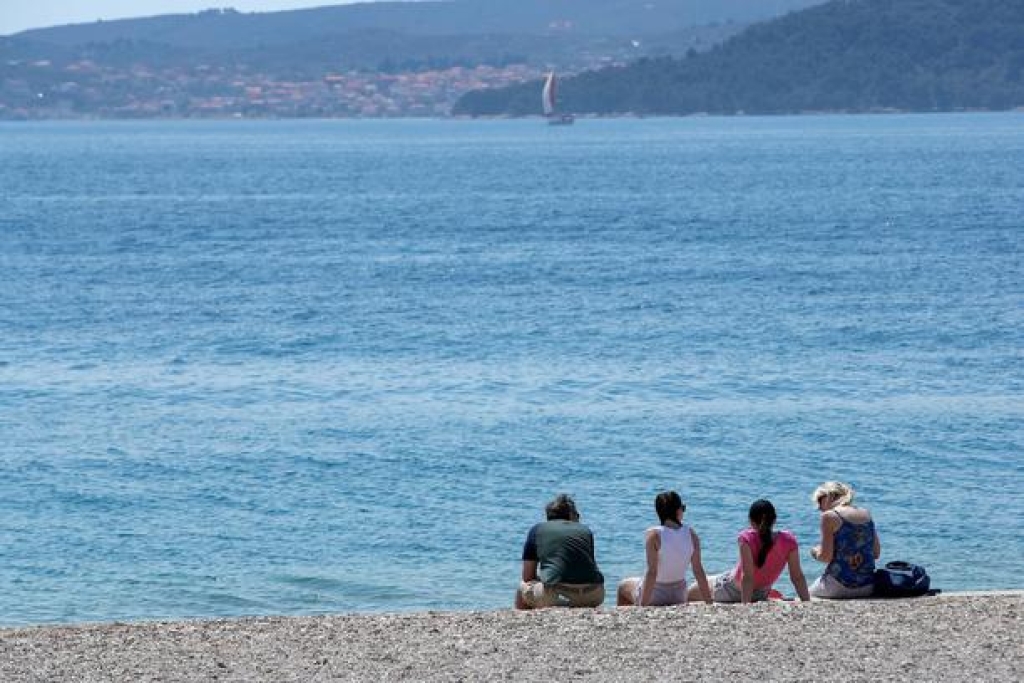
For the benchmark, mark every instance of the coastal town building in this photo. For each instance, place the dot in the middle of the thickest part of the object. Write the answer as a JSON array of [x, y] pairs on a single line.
[[84, 89]]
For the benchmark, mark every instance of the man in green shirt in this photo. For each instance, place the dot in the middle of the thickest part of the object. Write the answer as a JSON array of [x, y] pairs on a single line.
[[559, 569]]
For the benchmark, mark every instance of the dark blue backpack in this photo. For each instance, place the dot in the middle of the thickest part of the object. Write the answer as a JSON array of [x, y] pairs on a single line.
[[901, 580]]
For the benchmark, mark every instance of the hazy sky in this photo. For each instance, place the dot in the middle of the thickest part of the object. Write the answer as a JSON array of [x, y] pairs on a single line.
[[18, 15]]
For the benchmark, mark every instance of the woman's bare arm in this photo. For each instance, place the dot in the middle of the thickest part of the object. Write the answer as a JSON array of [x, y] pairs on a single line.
[[747, 562], [796, 575], [698, 569], [652, 544], [823, 552]]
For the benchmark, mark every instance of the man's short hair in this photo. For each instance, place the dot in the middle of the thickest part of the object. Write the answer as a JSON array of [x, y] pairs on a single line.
[[562, 507]]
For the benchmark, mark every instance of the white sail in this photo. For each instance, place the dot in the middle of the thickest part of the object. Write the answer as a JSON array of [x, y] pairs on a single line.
[[548, 95]]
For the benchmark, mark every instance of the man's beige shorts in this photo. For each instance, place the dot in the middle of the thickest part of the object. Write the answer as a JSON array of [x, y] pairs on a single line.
[[535, 594]]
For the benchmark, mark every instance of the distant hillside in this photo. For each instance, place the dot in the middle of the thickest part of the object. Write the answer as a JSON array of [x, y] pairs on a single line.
[[228, 29], [369, 50], [567, 34], [846, 55], [371, 59]]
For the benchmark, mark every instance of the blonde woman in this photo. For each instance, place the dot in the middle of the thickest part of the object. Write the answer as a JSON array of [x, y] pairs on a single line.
[[849, 544]]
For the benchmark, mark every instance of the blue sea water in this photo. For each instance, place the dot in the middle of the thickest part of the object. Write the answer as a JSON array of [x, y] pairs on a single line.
[[306, 367]]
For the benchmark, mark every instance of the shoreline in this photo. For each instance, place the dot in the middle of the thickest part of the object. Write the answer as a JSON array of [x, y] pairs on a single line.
[[955, 636], [532, 117]]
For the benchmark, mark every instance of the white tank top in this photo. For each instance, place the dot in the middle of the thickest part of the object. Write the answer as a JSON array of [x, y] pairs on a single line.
[[675, 553]]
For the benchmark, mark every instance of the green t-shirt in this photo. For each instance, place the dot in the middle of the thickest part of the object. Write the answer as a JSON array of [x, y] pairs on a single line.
[[563, 551]]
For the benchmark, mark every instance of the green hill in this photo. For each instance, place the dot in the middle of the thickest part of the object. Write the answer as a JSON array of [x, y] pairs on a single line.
[[229, 29], [402, 36], [846, 55]]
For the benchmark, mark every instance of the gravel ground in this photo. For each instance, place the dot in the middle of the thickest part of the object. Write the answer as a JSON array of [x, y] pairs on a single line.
[[944, 638]]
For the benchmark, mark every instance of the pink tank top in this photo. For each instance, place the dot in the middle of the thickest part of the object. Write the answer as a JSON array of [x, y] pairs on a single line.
[[778, 556]]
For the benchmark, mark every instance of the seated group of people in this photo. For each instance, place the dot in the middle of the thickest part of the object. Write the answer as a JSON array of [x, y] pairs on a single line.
[[559, 566]]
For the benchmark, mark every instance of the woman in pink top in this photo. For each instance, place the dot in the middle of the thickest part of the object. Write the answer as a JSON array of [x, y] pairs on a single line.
[[763, 555]]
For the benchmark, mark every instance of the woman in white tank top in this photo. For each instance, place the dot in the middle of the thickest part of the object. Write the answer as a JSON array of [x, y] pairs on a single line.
[[671, 548]]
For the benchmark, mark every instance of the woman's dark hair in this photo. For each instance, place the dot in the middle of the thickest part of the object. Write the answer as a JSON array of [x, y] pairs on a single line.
[[666, 504], [562, 507], [762, 517]]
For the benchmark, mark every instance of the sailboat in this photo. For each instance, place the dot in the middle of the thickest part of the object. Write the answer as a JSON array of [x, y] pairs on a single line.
[[548, 98]]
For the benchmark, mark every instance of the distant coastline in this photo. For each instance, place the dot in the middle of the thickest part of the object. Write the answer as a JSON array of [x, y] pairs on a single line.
[[360, 60], [506, 117], [438, 61], [840, 56]]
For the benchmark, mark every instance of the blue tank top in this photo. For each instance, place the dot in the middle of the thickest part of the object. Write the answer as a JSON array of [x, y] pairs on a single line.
[[853, 557]]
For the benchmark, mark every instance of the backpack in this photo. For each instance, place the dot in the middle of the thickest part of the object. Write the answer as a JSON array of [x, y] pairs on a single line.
[[901, 580]]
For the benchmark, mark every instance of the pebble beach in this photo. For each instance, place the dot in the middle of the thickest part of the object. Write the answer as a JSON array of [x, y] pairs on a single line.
[[978, 637]]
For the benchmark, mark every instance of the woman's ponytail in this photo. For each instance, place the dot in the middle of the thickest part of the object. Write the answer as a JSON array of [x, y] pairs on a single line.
[[762, 518]]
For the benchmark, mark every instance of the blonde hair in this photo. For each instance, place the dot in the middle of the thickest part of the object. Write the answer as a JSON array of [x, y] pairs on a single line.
[[843, 493]]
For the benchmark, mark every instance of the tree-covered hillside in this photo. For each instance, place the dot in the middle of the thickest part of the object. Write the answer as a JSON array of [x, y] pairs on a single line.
[[412, 58], [846, 55], [230, 30], [395, 36]]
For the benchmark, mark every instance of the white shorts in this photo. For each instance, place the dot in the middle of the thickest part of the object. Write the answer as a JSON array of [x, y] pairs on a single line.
[[725, 589], [829, 588], [663, 594]]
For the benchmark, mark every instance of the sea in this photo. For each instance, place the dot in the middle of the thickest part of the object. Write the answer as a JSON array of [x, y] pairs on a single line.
[[306, 367]]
